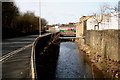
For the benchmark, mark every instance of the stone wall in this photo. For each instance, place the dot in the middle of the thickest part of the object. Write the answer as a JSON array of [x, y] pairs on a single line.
[[79, 31], [107, 42], [81, 26], [51, 28]]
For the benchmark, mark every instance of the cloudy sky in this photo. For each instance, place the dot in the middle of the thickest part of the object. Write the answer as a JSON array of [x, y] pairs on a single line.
[[61, 11]]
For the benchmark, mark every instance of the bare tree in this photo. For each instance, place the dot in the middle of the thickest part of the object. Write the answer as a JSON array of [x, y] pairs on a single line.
[[103, 13]]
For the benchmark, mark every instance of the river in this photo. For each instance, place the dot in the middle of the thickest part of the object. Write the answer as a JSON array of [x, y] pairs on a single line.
[[71, 64]]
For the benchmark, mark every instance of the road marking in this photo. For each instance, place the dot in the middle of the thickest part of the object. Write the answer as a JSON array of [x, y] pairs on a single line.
[[6, 43], [3, 58]]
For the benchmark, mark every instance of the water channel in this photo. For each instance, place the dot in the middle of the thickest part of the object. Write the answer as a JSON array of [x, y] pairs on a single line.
[[71, 64]]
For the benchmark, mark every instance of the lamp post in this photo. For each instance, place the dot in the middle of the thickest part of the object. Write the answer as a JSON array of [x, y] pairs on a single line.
[[39, 19]]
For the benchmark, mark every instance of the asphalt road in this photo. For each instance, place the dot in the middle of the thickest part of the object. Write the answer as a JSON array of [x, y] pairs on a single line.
[[16, 66], [9, 45]]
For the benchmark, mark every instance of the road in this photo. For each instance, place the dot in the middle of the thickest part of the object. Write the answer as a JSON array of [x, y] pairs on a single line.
[[16, 57], [9, 45]]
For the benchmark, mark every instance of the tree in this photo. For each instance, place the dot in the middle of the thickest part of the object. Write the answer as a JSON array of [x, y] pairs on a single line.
[[9, 11], [14, 23], [26, 23], [43, 24], [104, 10]]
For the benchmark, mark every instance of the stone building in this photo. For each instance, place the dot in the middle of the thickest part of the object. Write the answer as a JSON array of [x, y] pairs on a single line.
[[81, 26]]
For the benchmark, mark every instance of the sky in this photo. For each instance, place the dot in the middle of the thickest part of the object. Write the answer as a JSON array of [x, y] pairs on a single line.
[[62, 11]]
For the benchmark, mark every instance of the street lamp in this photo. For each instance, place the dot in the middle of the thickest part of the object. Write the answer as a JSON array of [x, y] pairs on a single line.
[[39, 20]]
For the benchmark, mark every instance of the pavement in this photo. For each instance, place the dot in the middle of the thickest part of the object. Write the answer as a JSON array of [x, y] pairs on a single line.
[[17, 66], [16, 57]]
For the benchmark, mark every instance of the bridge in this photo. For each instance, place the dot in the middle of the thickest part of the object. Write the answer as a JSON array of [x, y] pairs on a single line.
[[71, 37], [68, 34]]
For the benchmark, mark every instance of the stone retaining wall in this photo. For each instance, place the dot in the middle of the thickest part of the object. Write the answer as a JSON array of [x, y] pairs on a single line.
[[106, 42]]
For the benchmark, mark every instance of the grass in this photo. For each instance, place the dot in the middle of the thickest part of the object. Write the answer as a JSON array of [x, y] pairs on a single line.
[[92, 53], [104, 66]]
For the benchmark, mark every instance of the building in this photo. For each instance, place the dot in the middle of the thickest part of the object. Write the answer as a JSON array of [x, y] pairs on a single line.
[[110, 21], [81, 26], [61, 27], [66, 27]]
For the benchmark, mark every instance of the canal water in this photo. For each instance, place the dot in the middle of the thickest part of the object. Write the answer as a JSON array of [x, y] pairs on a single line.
[[71, 63]]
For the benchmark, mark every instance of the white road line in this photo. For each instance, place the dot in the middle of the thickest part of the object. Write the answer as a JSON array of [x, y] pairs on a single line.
[[14, 42], [13, 52]]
